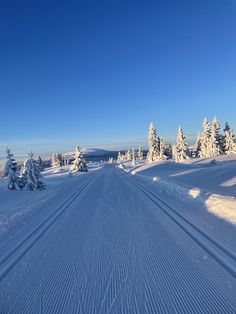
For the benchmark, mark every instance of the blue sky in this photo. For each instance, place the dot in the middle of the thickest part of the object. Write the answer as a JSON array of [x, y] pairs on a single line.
[[97, 72]]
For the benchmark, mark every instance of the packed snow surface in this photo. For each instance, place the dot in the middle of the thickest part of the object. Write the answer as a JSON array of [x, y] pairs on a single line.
[[107, 242], [209, 181]]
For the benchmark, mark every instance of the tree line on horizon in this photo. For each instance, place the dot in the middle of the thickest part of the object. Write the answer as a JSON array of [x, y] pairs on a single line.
[[29, 176], [209, 143]]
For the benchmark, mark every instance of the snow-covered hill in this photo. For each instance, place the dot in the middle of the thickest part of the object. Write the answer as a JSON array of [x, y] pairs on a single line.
[[93, 152], [206, 182]]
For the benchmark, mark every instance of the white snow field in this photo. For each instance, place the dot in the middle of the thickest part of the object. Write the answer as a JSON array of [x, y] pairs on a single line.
[[107, 241], [209, 182]]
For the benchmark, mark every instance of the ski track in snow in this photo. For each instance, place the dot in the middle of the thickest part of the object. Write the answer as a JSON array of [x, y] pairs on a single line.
[[197, 234], [104, 250]]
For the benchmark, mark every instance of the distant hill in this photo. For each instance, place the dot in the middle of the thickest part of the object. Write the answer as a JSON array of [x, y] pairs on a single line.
[[95, 154]]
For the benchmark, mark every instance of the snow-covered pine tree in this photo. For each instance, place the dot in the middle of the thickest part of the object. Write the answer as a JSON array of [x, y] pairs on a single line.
[[167, 149], [206, 140], [10, 171], [227, 127], [181, 151], [56, 160], [40, 163], [129, 154], [229, 140], [140, 152], [1, 171], [215, 138], [31, 177], [119, 158], [162, 153], [154, 150], [110, 160], [79, 163], [133, 158], [197, 145]]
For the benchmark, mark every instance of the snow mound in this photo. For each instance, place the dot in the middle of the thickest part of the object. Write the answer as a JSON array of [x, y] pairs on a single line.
[[204, 182]]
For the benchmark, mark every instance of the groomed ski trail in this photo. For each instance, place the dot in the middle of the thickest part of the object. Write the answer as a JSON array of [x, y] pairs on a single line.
[[105, 251]]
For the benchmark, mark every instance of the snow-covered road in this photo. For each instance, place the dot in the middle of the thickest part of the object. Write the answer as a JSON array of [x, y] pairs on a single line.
[[112, 246]]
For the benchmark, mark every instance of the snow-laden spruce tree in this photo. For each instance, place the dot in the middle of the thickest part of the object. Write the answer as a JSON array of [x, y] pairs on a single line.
[[197, 148], [229, 140], [31, 177], [79, 163], [206, 148], [181, 151], [215, 138], [154, 148], [129, 154], [1, 171], [110, 160], [167, 149], [140, 152], [133, 158], [56, 160], [10, 171], [119, 157], [40, 163]]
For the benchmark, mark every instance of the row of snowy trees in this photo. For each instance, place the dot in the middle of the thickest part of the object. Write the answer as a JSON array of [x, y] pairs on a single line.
[[59, 160], [209, 143], [27, 177], [78, 164], [159, 148], [212, 143], [131, 154]]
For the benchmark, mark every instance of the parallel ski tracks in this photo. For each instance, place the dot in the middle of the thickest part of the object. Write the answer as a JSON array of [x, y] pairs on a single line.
[[13, 256], [220, 253]]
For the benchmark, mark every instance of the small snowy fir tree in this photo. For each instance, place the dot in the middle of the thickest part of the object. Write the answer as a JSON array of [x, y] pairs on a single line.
[[167, 149], [1, 171], [229, 140], [79, 164], [119, 158], [40, 163], [133, 158], [110, 160], [31, 177], [206, 140], [10, 171], [129, 154], [56, 160], [215, 138], [197, 146], [181, 150], [140, 153], [154, 150], [162, 154]]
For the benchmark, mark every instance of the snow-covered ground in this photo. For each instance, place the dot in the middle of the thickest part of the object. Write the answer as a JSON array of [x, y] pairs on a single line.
[[108, 241], [18, 207], [196, 181]]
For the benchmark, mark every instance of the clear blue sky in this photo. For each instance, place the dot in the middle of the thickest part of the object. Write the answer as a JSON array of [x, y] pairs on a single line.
[[97, 72]]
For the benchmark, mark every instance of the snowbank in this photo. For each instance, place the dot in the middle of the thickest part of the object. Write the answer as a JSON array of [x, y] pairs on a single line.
[[197, 182]]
